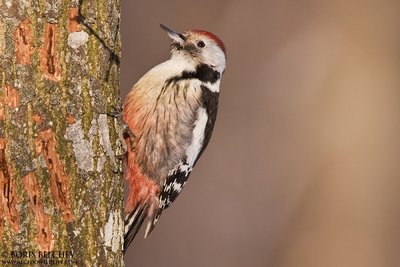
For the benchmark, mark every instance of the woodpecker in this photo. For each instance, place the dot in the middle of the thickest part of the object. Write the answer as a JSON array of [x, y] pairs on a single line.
[[170, 113]]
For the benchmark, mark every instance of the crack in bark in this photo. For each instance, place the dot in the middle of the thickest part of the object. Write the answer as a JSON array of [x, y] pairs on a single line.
[[74, 21], [114, 58], [23, 42], [10, 99], [44, 238], [59, 180], [49, 62], [8, 198], [50, 57]]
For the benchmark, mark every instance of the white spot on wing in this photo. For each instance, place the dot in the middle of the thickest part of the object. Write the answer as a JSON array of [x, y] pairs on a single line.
[[177, 187], [198, 136]]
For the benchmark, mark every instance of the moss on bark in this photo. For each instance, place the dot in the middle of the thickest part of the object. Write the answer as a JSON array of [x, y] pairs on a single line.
[[61, 61]]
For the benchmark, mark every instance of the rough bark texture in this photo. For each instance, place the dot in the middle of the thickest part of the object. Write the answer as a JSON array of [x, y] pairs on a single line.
[[61, 185]]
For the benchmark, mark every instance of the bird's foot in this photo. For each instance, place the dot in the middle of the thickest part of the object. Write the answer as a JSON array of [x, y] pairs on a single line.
[[129, 138], [115, 113]]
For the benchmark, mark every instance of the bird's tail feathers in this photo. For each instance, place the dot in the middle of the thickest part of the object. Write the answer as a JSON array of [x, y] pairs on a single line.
[[133, 222], [143, 201], [153, 216]]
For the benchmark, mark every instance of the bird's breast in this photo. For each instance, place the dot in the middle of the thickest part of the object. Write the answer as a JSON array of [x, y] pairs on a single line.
[[162, 119]]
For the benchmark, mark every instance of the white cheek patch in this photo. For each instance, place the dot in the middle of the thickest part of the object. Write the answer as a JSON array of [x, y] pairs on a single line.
[[180, 63], [214, 87], [216, 57], [198, 136]]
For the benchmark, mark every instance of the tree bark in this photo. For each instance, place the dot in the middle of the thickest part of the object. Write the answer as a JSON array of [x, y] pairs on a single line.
[[61, 186]]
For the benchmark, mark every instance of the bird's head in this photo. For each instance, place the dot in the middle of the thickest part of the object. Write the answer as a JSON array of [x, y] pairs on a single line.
[[200, 46]]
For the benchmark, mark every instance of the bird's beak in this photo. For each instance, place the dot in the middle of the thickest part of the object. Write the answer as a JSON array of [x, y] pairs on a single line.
[[177, 37]]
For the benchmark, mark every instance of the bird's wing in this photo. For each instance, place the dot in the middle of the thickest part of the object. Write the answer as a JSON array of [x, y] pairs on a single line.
[[177, 178], [173, 185], [201, 135]]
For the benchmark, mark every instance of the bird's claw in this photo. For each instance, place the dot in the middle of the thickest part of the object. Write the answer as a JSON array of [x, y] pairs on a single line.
[[115, 113], [129, 138]]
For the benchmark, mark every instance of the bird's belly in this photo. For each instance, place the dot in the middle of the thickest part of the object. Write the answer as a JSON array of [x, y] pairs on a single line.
[[166, 132]]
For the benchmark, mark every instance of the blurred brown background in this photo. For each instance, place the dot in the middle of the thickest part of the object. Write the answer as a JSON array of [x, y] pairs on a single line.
[[303, 167]]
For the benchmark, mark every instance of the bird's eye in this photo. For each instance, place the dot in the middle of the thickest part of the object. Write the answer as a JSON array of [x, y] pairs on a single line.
[[201, 44]]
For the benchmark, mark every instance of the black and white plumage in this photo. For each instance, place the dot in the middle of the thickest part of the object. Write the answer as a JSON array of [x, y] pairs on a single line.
[[171, 112]]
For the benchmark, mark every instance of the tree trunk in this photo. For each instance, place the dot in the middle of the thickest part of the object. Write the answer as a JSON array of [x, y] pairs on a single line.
[[61, 186]]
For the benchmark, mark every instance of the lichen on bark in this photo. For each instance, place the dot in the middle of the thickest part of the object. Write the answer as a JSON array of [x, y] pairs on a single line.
[[60, 164]]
